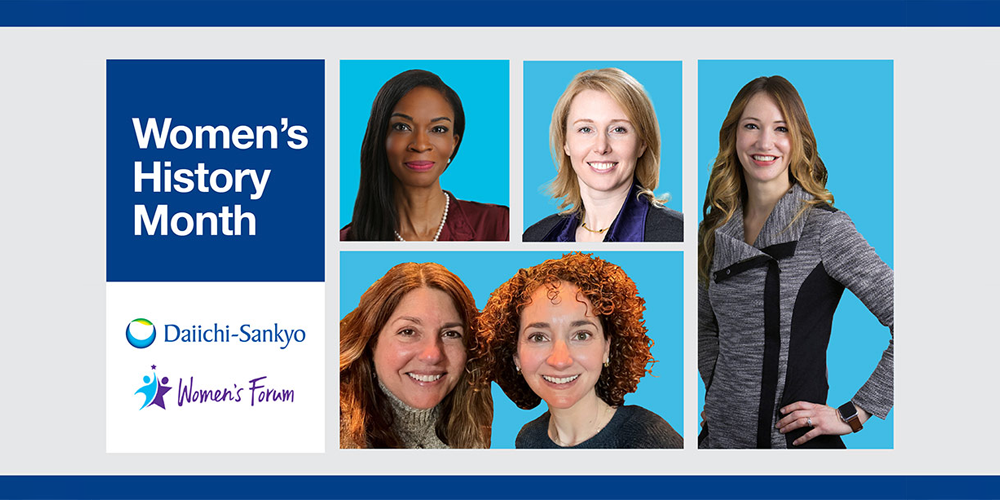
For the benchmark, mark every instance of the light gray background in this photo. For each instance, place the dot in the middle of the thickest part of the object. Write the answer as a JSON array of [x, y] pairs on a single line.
[[52, 202]]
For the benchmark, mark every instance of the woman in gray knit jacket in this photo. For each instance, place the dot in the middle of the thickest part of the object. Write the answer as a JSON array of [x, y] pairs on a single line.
[[774, 257]]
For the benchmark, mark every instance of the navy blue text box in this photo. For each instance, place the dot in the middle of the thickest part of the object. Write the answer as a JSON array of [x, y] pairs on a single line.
[[281, 104]]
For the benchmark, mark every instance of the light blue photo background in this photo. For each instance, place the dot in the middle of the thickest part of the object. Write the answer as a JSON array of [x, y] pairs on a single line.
[[545, 81], [657, 275], [850, 109], [481, 170]]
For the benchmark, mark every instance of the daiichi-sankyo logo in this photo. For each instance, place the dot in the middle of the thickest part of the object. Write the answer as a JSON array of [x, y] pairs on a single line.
[[140, 333]]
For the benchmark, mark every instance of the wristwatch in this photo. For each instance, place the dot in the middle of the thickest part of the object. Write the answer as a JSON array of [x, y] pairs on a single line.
[[849, 414]]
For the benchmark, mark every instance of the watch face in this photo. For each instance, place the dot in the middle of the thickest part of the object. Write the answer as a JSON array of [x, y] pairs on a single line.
[[847, 411]]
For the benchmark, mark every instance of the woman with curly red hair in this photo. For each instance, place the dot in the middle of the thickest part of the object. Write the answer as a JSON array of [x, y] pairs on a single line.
[[570, 331]]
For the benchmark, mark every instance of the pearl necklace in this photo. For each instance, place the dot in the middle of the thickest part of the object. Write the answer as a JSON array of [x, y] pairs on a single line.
[[447, 202]]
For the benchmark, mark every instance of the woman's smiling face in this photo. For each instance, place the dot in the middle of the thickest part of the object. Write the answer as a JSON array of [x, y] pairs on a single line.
[[561, 345], [420, 352], [602, 143], [420, 139], [763, 142]]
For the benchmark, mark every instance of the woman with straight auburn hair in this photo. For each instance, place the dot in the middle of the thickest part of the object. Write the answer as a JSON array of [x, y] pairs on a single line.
[[774, 257], [404, 382], [605, 141], [414, 131]]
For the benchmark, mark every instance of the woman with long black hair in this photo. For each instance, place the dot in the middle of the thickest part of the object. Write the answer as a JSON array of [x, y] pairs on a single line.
[[414, 132]]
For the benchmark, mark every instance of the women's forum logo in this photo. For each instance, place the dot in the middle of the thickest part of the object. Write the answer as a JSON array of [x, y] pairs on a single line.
[[140, 333]]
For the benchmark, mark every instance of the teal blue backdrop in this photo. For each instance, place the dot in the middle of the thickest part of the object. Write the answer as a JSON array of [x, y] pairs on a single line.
[[545, 81], [481, 170], [657, 276], [850, 107]]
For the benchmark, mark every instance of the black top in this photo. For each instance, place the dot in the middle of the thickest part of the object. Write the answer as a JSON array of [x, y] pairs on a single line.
[[630, 427], [638, 220]]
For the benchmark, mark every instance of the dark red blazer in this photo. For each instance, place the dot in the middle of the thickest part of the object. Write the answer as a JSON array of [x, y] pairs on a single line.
[[469, 221]]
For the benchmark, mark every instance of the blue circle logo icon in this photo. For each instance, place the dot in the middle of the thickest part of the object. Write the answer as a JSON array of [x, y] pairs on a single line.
[[140, 333]]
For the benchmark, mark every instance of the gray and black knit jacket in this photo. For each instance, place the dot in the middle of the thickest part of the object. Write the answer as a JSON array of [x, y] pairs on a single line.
[[764, 321]]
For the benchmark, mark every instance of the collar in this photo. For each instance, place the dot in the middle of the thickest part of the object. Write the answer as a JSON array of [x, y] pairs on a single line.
[[407, 412], [778, 228], [457, 226], [415, 427], [629, 224]]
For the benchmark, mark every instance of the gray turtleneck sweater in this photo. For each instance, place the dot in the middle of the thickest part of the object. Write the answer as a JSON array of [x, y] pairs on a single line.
[[414, 427]]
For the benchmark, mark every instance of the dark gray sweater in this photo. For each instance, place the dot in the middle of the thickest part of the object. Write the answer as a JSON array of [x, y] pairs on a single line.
[[764, 321], [630, 427]]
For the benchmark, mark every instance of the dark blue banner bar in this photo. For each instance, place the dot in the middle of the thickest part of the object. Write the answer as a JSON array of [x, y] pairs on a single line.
[[548, 487], [501, 13]]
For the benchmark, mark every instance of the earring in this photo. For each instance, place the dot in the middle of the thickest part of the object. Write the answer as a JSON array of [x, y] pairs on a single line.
[[518, 368], [607, 362]]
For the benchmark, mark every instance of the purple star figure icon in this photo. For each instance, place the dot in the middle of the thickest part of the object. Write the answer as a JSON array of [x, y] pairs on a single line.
[[160, 391]]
